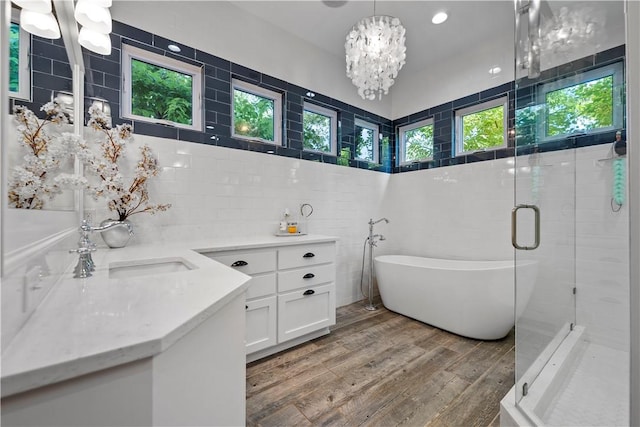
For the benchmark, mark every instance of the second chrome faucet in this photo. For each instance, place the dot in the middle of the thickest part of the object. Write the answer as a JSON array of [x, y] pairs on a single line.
[[85, 265]]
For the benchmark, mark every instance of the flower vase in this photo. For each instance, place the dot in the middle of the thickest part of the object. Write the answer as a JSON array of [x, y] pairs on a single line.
[[116, 237]]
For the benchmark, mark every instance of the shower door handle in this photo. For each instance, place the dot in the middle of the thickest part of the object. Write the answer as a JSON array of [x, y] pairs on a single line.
[[514, 227]]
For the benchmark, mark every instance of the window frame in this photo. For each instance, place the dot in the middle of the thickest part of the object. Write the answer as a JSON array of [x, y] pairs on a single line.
[[131, 52], [616, 70], [256, 90], [24, 64], [403, 142], [477, 108], [333, 116], [376, 140]]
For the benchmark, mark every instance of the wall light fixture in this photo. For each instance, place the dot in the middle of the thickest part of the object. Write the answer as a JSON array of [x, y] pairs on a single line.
[[36, 17]]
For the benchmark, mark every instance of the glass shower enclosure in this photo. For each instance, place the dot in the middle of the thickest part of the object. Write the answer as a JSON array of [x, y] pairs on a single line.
[[570, 217]]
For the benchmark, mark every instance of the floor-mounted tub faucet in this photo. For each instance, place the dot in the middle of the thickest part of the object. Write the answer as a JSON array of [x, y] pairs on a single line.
[[372, 239], [85, 246]]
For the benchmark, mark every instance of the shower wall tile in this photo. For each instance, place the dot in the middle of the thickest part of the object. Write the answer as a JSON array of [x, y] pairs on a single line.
[[602, 251]]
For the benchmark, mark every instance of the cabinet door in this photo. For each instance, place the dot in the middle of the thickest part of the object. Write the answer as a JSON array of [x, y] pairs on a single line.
[[261, 324], [305, 311]]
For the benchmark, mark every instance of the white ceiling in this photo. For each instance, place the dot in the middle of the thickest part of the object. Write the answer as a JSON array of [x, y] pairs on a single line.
[[326, 23]]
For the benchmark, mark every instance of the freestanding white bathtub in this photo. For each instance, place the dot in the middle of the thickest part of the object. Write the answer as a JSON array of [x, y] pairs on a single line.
[[474, 299]]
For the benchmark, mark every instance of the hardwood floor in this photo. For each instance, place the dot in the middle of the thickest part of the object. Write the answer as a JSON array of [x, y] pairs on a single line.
[[382, 369]]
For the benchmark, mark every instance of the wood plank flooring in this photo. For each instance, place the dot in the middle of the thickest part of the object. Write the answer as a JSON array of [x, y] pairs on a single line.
[[378, 368]]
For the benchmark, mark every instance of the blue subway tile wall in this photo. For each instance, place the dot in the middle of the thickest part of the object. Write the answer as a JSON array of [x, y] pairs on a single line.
[[218, 74], [51, 73], [443, 116], [525, 94]]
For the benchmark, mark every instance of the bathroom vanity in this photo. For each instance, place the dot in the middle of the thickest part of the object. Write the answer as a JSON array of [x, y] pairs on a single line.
[[291, 298], [157, 335]]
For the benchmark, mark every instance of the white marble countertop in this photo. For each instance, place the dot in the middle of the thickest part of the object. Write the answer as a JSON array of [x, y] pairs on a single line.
[[204, 246], [86, 325]]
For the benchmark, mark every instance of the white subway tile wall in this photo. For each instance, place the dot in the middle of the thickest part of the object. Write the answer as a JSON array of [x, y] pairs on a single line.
[[455, 212], [459, 211], [218, 192], [464, 212]]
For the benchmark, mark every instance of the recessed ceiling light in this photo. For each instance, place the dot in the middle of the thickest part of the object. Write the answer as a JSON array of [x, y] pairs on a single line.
[[439, 17], [334, 3], [495, 70], [174, 48]]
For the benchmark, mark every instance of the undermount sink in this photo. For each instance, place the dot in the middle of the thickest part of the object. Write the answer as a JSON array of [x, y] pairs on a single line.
[[148, 267]]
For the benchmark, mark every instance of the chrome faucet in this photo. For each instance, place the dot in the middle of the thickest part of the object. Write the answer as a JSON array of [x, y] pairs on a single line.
[[372, 236], [372, 222], [371, 239], [85, 246]]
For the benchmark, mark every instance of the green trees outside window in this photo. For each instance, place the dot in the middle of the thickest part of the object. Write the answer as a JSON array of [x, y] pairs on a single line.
[[591, 101], [14, 58], [580, 107], [483, 129], [581, 104], [158, 87], [161, 93], [365, 139], [253, 115], [418, 143], [316, 129]]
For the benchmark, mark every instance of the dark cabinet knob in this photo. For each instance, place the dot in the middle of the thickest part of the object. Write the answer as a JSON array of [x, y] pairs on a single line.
[[239, 264], [309, 292], [308, 255], [309, 276]]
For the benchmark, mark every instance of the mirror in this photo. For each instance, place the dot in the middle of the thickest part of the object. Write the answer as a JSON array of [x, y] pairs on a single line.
[[35, 154], [38, 161], [35, 226]]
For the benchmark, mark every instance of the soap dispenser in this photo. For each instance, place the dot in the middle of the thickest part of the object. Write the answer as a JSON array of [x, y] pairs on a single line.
[[284, 222]]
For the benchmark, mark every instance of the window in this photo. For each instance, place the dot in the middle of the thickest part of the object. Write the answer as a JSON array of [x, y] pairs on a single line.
[[482, 126], [416, 141], [366, 140], [319, 127], [19, 72], [161, 90], [587, 102], [257, 113]]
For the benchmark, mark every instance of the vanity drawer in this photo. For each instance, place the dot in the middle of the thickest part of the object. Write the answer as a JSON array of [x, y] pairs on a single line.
[[247, 262], [306, 277], [300, 256], [261, 285]]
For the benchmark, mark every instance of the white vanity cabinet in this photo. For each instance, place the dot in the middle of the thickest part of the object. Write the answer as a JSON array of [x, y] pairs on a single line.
[[261, 315], [306, 290], [291, 296]]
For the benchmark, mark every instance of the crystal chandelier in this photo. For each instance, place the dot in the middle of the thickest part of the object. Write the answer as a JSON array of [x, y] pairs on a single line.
[[375, 53]]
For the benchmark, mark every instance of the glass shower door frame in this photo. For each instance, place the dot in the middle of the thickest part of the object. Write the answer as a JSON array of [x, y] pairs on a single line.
[[543, 219]]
